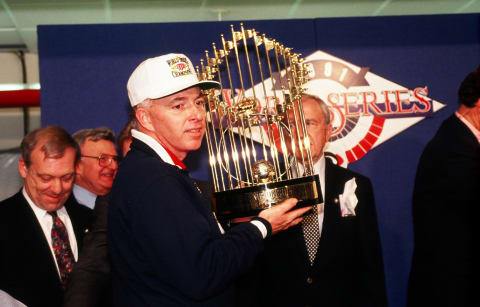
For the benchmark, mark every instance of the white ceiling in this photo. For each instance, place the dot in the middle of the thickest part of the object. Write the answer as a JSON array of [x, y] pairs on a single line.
[[19, 18]]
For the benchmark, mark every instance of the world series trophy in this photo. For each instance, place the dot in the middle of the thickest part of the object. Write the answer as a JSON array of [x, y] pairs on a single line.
[[257, 139]]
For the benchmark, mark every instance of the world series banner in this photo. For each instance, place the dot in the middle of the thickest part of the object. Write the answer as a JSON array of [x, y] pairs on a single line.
[[365, 109], [389, 82]]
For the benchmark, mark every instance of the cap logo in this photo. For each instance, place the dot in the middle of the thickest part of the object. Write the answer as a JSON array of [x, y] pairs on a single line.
[[179, 66]]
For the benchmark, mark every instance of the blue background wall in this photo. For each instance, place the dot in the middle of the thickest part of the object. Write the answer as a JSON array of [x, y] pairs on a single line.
[[84, 70]]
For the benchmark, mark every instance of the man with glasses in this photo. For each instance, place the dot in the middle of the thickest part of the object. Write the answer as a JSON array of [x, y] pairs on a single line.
[[89, 284], [97, 166]]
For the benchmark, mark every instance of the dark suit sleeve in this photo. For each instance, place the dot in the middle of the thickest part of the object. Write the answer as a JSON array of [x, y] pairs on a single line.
[[178, 242], [89, 284], [372, 261]]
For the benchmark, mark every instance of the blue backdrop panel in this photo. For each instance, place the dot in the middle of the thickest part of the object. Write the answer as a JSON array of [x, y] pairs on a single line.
[[432, 51], [84, 70]]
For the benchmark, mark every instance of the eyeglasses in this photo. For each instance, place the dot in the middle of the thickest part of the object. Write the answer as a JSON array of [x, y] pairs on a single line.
[[104, 159]]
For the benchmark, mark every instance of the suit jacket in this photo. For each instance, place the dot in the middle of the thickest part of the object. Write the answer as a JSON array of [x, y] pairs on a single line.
[[27, 267], [348, 268], [165, 245], [445, 203], [90, 282]]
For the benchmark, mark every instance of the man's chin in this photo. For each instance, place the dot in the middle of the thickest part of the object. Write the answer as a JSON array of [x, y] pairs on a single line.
[[195, 146], [106, 182], [54, 206], [104, 190]]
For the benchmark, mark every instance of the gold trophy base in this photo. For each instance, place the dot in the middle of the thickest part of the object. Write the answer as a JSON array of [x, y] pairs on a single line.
[[249, 201]]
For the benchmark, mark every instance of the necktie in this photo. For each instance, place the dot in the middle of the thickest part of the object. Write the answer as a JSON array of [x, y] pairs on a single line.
[[61, 248], [311, 233]]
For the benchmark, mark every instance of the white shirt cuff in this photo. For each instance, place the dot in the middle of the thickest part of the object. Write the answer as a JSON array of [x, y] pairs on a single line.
[[261, 227]]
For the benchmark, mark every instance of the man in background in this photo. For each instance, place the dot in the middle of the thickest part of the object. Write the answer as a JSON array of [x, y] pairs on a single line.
[[333, 258], [42, 229], [97, 166], [445, 203], [90, 284], [125, 138]]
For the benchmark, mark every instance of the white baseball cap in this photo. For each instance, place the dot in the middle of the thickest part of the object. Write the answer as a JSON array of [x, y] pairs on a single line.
[[163, 76]]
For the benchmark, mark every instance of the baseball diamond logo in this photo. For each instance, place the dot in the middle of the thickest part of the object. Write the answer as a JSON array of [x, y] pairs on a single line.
[[366, 109]]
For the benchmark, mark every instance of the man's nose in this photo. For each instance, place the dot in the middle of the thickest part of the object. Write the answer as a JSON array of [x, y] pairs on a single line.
[[114, 164], [197, 113], [56, 186]]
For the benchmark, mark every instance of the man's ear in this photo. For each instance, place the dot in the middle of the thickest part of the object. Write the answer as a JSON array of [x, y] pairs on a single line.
[[22, 168], [143, 118], [79, 167], [328, 132]]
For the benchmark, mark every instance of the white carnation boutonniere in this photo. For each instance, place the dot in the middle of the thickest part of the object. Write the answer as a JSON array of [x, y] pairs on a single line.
[[348, 200]]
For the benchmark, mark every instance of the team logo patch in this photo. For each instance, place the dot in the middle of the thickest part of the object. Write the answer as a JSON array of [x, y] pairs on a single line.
[[365, 109], [179, 66]]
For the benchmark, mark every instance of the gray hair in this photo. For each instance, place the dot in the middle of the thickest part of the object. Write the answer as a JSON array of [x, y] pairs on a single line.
[[95, 135], [322, 104], [146, 104]]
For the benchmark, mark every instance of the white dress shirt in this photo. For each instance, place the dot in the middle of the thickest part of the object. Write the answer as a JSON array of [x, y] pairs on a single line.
[[46, 221], [6, 300]]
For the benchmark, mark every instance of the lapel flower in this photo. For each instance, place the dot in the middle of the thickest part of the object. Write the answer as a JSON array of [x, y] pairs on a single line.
[[348, 200]]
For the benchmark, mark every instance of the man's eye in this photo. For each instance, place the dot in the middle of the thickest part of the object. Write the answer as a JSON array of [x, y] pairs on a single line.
[[200, 102], [68, 177], [45, 178], [177, 106]]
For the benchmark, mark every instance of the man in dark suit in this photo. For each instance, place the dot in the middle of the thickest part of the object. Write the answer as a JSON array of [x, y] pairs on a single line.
[[165, 244], [333, 258], [42, 226], [90, 281], [445, 206]]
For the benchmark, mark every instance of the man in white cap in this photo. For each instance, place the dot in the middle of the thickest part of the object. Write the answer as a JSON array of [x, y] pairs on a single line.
[[165, 244]]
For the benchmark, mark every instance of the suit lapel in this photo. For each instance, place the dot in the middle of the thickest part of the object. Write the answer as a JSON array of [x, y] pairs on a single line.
[[334, 183], [34, 233], [205, 208], [76, 219], [331, 213]]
